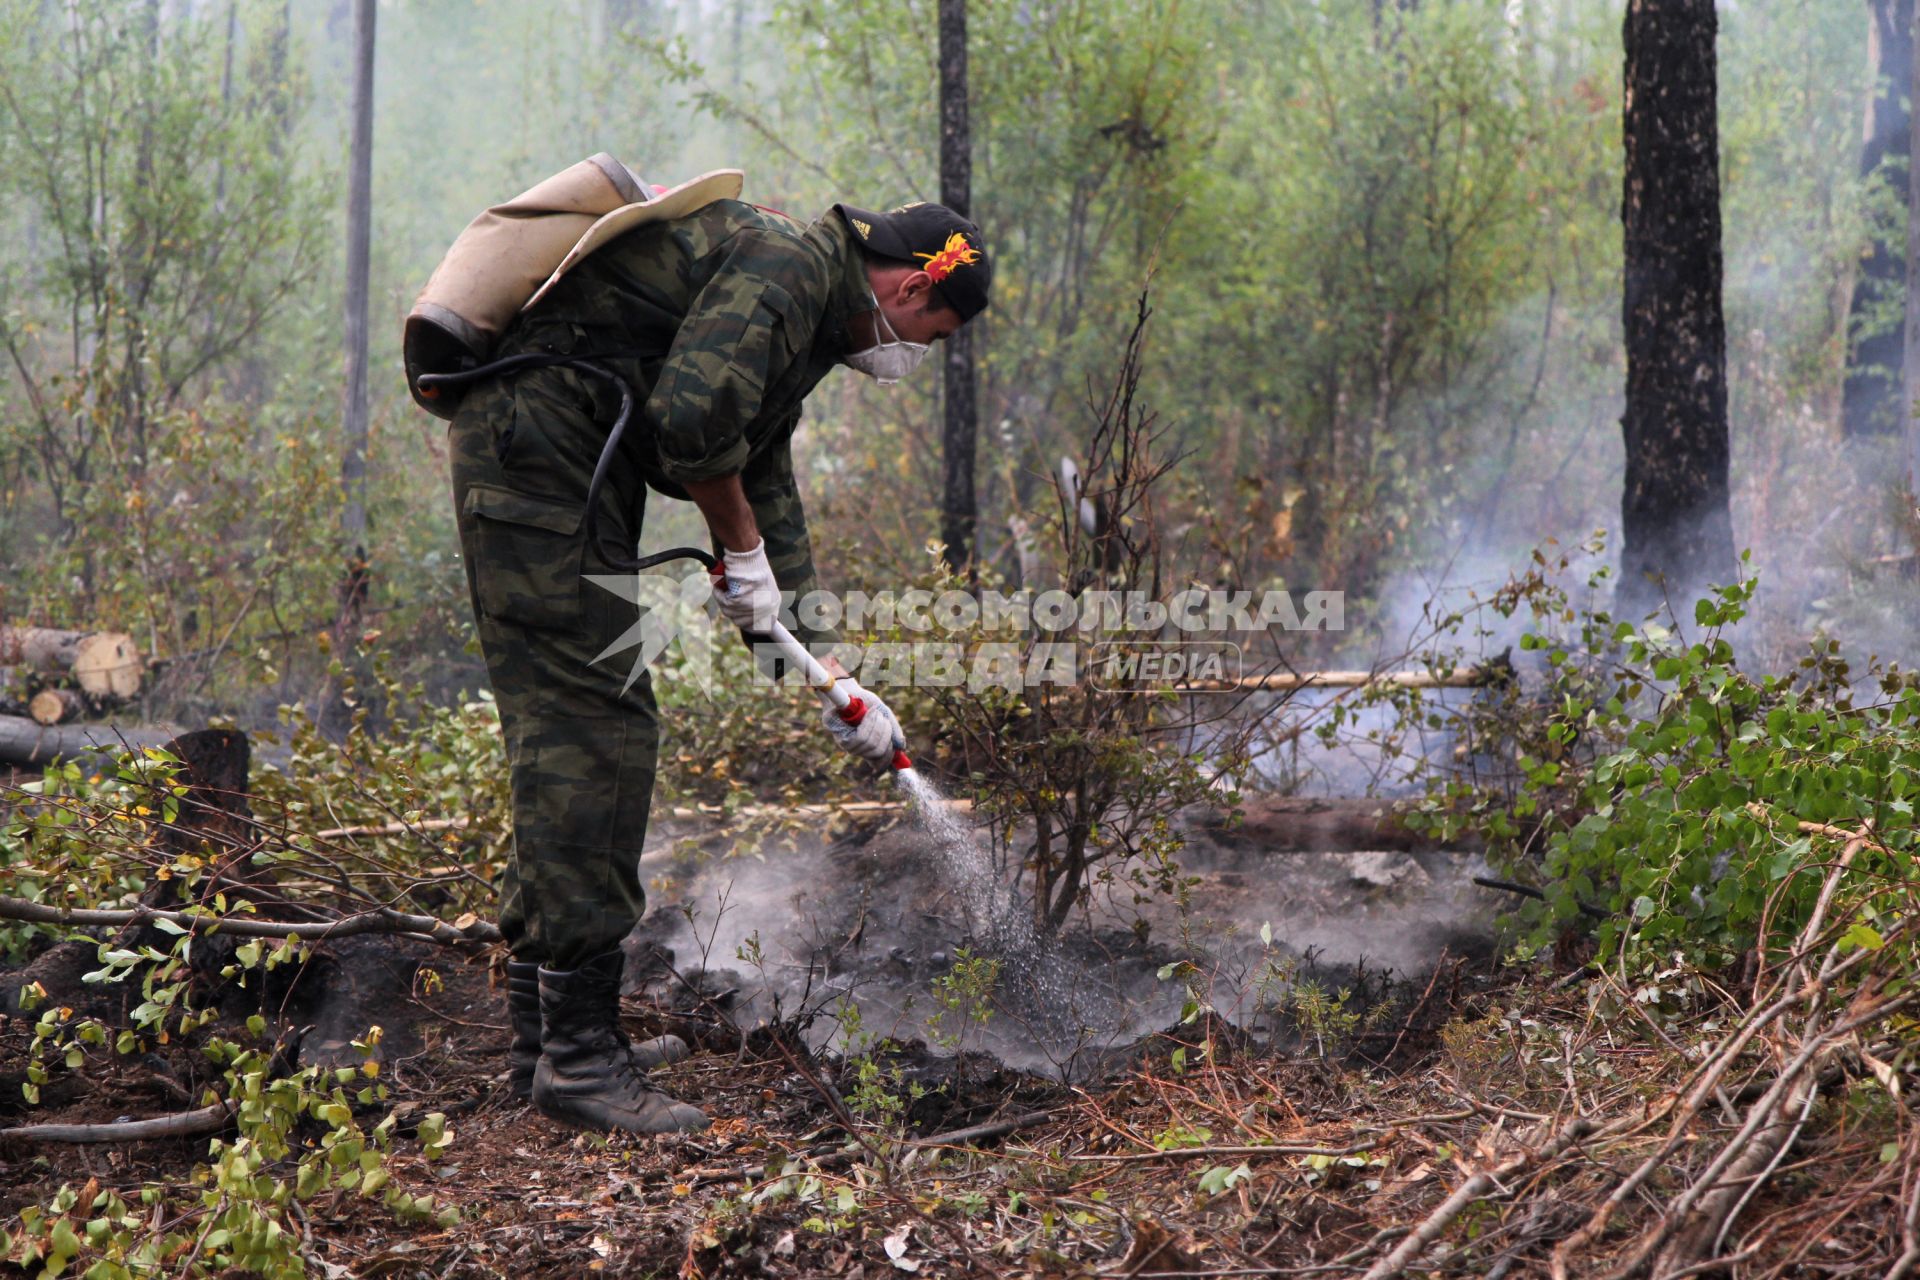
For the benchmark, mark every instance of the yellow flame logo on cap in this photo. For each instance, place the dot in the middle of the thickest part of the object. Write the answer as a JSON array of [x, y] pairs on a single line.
[[956, 253]]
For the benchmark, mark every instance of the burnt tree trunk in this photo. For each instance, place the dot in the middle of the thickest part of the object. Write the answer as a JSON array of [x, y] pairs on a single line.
[[1677, 531], [353, 455], [1870, 399], [960, 421]]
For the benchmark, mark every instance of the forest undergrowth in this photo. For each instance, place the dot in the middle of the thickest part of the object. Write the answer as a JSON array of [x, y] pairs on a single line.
[[1692, 1054]]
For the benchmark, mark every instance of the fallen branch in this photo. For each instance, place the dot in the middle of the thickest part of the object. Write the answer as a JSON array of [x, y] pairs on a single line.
[[24, 741], [982, 1132], [1474, 1188], [187, 1124], [475, 932], [393, 828], [1283, 681], [1233, 1153], [825, 1157]]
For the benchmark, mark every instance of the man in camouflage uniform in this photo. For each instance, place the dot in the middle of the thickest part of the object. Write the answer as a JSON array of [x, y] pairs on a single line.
[[721, 322]]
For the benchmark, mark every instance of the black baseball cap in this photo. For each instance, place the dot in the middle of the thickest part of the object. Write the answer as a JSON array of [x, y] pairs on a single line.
[[934, 237]]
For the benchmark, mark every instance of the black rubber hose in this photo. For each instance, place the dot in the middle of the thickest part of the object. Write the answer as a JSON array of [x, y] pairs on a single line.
[[615, 555]]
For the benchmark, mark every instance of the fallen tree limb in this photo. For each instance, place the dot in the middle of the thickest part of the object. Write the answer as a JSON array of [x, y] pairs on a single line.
[[187, 1124], [23, 741], [1474, 1188], [393, 828], [1286, 681], [679, 813], [982, 1132], [384, 920], [830, 1157], [1232, 1153]]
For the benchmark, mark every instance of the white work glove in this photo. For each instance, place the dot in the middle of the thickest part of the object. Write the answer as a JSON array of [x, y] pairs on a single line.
[[751, 600], [876, 737]]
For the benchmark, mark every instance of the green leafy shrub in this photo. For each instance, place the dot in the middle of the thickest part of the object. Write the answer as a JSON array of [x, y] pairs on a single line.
[[1660, 794]]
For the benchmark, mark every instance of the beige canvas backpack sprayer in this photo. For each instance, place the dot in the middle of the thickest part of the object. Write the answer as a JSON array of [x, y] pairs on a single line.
[[506, 261]]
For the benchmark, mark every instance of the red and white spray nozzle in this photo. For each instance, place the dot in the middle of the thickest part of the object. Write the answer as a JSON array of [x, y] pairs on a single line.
[[850, 709]]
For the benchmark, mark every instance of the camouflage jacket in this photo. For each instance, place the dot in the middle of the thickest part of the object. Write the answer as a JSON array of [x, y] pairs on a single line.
[[722, 322]]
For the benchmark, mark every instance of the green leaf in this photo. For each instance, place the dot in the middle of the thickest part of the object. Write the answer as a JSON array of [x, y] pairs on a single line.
[[1862, 937]]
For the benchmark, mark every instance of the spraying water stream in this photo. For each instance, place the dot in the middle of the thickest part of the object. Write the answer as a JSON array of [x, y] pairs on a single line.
[[1036, 982]]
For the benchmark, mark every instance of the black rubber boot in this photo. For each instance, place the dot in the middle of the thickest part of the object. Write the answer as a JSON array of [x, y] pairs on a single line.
[[590, 1074], [523, 1011]]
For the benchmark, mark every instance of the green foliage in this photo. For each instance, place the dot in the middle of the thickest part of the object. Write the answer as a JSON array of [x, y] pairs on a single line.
[[963, 998], [1693, 839], [166, 222], [405, 760], [297, 1137], [881, 1091], [1659, 793], [1364, 253], [425, 784], [71, 844]]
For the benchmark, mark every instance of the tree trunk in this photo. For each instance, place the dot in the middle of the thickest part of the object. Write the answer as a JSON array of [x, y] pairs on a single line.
[[280, 97], [226, 101], [958, 509], [1876, 329], [1676, 526], [22, 742], [1912, 335], [353, 458]]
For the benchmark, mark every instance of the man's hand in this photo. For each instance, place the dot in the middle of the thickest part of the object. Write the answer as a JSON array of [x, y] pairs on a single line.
[[877, 735], [750, 599]]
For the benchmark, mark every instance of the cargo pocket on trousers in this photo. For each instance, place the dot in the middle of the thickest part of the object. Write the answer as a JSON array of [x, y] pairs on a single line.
[[527, 556]]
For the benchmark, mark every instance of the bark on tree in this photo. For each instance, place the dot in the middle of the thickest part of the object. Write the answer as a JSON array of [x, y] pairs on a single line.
[[353, 458], [280, 98], [1911, 362], [960, 419], [1677, 531], [1870, 400]]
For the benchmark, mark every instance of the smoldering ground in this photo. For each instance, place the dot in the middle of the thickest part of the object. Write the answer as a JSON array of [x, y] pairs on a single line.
[[856, 935]]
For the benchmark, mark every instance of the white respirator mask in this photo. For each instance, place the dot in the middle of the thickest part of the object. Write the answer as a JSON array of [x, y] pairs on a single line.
[[890, 359]]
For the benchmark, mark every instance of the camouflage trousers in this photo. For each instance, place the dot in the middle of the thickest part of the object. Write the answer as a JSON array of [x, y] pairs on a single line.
[[582, 753]]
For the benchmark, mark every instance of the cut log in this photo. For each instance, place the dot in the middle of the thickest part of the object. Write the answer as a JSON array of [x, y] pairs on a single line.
[[105, 664], [25, 742], [53, 706]]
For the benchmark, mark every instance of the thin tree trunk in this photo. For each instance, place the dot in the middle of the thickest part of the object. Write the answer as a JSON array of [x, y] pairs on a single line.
[[353, 458], [226, 101], [1870, 395], [1912, 334], [959, 513], [279, 95], [1676, 525]]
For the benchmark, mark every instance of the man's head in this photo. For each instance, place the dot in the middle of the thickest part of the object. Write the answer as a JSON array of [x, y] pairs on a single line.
[[928, 269]]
